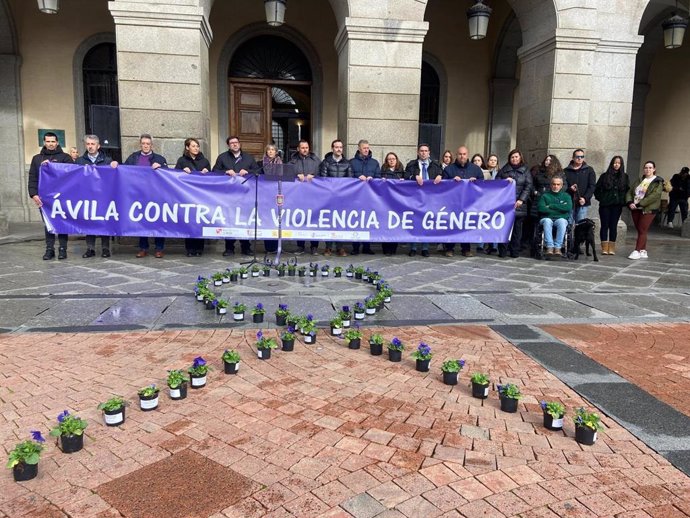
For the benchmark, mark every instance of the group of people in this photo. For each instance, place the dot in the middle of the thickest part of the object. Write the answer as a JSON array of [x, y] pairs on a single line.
[[548, 194]]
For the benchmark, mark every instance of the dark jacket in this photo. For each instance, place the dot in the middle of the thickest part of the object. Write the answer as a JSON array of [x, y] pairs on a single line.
[[101, 159], [195, 164], [227, 161], [335, 169], [305, 165], [523, 184], [467, 171], [154, 158], [365, 166], [555, 205], [412, 169], [392, 174], [681, 187], [609, 191], [585, 178], [652, 198], [57, 155]]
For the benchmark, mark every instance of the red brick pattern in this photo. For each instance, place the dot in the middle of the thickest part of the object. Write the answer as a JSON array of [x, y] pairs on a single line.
[[316, 427], [656, 357]]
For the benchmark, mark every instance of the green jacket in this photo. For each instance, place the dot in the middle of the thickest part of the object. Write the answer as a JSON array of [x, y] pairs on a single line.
[[652, 199], [555, 205]]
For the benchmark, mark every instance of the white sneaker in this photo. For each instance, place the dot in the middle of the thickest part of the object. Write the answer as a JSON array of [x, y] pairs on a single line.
[[643, 254], [669, 224], [634, 255]]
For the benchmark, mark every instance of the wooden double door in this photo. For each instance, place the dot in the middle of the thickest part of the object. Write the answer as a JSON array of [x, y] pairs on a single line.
[[250, 116]]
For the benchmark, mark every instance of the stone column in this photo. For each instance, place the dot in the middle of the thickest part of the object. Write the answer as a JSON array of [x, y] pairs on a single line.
[[379, 74], [163, 73]]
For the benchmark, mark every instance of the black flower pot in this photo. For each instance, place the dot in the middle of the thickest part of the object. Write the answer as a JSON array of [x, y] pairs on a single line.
[[358, 276], [585, 435], [553, 424], [379, 307], [376, 349], [302, 273], [508, 404], [234, 277], [480, 391], [258, 318], [114, 417], [288, 345], [370, 280], [309, 339], [450, 378], [179, 392], [281, 273], [267, 273], [281, 320], [197, 382], [230, 368], [394, 355], [22, 472], [422, 365], [263, 354], [291, 273], [71, 443], [337, 274], [209, 304], [148, 403], [355, 343]]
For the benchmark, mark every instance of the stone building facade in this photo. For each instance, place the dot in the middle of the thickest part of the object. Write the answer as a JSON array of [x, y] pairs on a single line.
[[550, 76]]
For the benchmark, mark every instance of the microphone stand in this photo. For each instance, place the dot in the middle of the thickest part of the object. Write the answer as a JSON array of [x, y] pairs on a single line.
[[255, 175]]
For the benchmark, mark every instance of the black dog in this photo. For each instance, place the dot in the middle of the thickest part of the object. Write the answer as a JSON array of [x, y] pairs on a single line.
[[584, 233]]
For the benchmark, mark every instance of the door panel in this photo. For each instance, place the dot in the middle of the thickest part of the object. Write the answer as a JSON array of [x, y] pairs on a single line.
[[250, 116]]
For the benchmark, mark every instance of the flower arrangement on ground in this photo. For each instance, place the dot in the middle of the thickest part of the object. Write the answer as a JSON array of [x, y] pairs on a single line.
[[353, 337], [587, 424], [177, 384], [281, 314], [258, 312], [70, 430], [264, 346], [197, 372], [451, 370], [23, 459], [395, 349], [231, 361], [509, 395], [336, 326], [288, 339], [423, 356], [480, 385], [553, 415], [113, 411]]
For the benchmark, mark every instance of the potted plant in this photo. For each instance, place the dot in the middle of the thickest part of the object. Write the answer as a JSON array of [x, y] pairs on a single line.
[[359, 311], [451, 370], [266, 270], [293, 321], [587, 424], [337, 271], [204, 294], [264, 346], [177, 384], [255, 270], [423, 356], [310, 337], [554, 412], [23, 459], [217, 278], [238, 310], [258, 312], [302, 271], [350, 271], [386, 293], [359, 272], [353, 337], [308, 328], [509, 394], [226, 276], [376, 344], [370, 305], [378, 298], [325, 270], [345, 316], [480, 385], [281, 314], [291, 269], [197, 373], [221, 306], [244, 272], [288, 339], [148, 398], [282, 267], [336, 326], [209, 301], [113, 411], [373, 277], [231, 361], [395, 349], [70, 430], [365, 275], [313, 268], [234, 275]]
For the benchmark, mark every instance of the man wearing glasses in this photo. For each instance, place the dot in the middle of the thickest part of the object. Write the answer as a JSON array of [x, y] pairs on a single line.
[[581, 181]]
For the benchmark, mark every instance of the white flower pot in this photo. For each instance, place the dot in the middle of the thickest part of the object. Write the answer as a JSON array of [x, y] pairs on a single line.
[[114, 419], [387, 299], [346, 323], [370, 311], [336, 331], [200, 298], [238, 316], [324, 274], [198, 382], [349, 274], [255, 274], [359, 316], [222, 311], [218, 283], [226, 280], [308, 339], [245, 275], [365, 277], [148, 404]]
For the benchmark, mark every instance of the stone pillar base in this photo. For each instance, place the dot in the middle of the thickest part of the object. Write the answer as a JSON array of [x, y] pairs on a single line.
[[4, 224], [685, 229]]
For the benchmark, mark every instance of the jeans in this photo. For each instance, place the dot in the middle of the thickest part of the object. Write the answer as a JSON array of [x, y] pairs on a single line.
[[548, 224], [642, 223], [609, 216], [425, 246], [672, 204], [144, 243], [580, 212]]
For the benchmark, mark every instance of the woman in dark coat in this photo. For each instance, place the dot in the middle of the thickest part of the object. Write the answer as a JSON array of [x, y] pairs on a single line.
[[515, 171], [610, 190], [193, 160], [392, 169]]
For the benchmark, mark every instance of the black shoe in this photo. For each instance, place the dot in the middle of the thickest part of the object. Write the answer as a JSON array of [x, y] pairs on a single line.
[[88, 253], [354, 252], [368, 251], [502, 252], [228, 252], [50, 254], [425, 253], [514, 255], [105, 253], [412, 253], [62, 253]]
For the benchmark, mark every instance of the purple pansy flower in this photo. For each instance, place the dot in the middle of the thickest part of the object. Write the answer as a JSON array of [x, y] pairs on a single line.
[[396, 341], [346, 309], [259, 306], [199, 362], [36, 436], [310, 317], [283, 307], [62, 415], [543, 405], [259, 335]]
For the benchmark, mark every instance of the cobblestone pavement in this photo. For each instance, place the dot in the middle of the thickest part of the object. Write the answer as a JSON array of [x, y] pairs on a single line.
[[322, 431], [655, 357]]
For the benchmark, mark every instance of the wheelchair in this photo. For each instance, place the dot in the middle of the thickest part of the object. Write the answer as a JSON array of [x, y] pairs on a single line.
[[538, 243]]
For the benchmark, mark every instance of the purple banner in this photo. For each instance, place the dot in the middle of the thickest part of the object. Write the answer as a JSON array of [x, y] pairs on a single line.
[[139, 201]]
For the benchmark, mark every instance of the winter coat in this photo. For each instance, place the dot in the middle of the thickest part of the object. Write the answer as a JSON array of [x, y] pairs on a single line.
[[101, 159], [607, 192], [412, 169], [585, 178], [523, 185], [652, 199], [333, 168], [154, 158], [365, 166], [555, 205], [195, 164], [392, 174], [306, 165], [227, 161], [467, 171], [681, 187], [57, 155]]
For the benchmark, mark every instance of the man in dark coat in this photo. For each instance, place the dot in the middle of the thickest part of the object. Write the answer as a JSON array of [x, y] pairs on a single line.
[[234, 162], [365, 167], [335, 165], [307, 167], [582, 181], [94, 155], [421, 169], [50, 152]]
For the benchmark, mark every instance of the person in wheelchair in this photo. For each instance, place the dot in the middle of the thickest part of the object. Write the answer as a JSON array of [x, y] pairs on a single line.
[[554, 207]]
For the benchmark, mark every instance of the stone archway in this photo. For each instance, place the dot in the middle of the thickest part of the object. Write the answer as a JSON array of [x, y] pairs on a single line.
[[13, 193]]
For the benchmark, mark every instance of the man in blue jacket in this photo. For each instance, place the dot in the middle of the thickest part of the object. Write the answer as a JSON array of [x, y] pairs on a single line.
[[364, 167]]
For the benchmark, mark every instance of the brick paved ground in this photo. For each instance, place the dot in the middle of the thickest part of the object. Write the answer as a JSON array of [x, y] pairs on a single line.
[[324, 432], [655, 357]]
